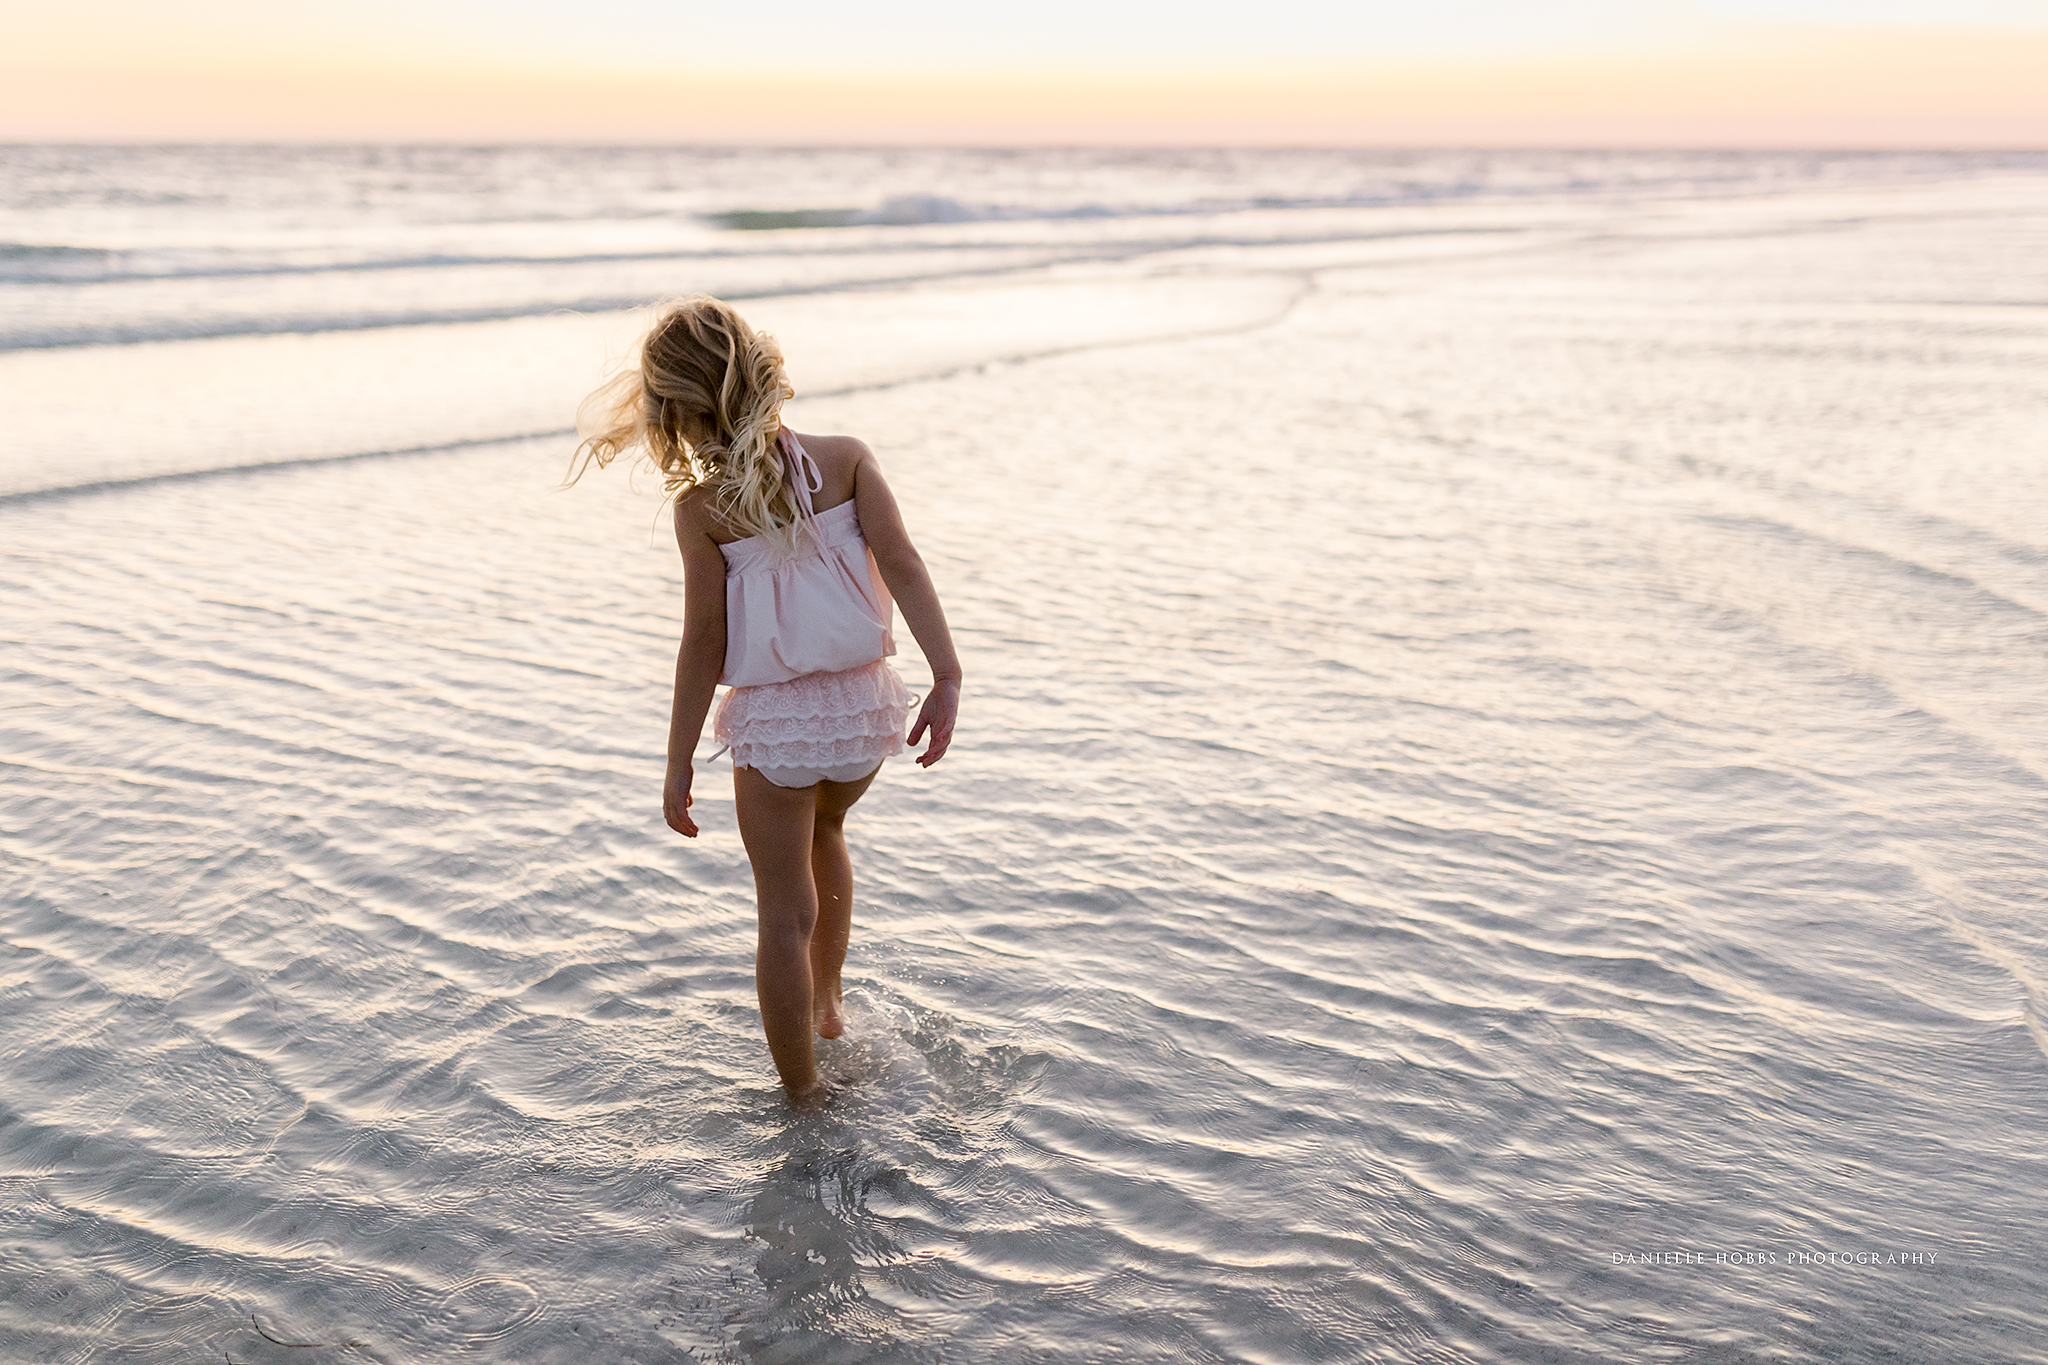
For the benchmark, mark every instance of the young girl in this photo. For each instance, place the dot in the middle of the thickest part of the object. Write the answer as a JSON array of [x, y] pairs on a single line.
[[792, 552]]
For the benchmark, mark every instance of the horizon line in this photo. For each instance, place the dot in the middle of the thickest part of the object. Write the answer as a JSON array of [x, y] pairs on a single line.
[[1025, 144]]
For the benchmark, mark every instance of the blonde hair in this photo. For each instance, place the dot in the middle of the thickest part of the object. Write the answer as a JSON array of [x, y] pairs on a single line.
[[701, 361]]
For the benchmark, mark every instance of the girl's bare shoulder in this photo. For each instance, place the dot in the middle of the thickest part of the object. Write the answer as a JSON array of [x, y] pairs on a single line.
[[840, 454], [696, 514], [691, 504], [839, 460]]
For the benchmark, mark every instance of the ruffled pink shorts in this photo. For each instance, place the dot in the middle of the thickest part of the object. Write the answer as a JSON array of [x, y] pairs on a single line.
[[835, 727]]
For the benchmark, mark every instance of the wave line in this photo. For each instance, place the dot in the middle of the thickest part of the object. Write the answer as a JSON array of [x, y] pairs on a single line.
[[1306, 285], [1107, 253]]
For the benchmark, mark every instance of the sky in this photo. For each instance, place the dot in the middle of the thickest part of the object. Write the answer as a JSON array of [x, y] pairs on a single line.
[[1465, 72]]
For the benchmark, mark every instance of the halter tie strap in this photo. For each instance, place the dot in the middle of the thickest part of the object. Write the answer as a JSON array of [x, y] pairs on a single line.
[[805, 478]]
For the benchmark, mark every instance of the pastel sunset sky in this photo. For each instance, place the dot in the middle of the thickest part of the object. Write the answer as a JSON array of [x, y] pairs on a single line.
[[1844, 73]]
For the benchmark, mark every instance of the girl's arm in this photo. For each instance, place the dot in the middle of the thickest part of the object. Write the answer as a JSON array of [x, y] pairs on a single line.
[[699, 660], [902, 568]]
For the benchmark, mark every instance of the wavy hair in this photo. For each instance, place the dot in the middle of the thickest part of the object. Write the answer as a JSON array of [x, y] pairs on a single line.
[[705, 403]]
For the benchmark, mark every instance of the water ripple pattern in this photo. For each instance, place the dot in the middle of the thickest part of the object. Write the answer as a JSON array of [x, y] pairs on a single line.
[[1498, 815]]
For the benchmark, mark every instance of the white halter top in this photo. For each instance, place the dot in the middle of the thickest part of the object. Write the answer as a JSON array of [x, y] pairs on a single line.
[[823, 608]]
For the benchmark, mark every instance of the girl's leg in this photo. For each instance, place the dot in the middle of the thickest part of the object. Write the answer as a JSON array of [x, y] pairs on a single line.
[[832, 876], [776, 825]]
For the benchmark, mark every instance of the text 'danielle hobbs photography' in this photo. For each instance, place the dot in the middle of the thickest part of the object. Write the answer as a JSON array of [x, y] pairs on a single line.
[[1786, 1257]]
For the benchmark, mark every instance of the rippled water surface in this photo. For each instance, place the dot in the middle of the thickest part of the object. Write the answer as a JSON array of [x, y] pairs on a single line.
[[1499, 810]]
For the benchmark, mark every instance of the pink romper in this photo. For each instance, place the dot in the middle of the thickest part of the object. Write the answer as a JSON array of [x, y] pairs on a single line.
[[807, 640]]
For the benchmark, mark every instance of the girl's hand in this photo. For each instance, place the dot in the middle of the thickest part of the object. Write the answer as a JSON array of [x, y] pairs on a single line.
[[675, 801], [937, 715]]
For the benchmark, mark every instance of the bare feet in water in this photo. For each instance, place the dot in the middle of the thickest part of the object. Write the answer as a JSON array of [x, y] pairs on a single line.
[[826, 1014], [816, 1095]]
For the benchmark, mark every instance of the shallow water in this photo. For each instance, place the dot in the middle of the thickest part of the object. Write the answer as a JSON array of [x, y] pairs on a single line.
[[1497, 817]]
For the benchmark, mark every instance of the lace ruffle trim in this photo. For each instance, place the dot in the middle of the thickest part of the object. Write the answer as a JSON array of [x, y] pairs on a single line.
[[816, 753], [852, 691], [819, 720]]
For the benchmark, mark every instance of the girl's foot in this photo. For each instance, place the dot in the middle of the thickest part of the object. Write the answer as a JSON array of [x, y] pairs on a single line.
[[831, 1023], [816, 1095]]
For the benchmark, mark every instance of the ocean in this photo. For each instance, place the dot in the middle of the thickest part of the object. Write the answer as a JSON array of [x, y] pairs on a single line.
[[1499, 810]]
